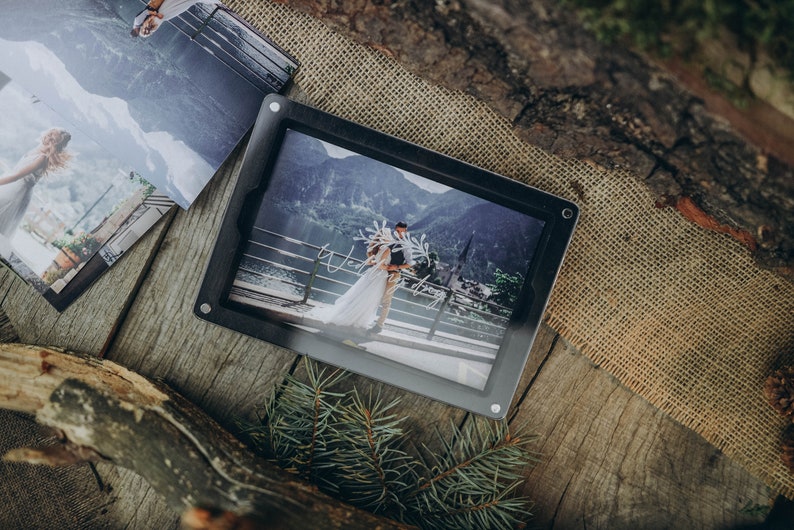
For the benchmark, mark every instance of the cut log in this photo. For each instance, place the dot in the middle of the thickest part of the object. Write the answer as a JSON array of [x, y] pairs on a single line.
[[106, 412], [575, 97]]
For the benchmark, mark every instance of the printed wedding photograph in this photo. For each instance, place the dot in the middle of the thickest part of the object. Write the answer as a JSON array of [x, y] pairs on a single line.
[[169, 87], [62, 196], [384, 261]]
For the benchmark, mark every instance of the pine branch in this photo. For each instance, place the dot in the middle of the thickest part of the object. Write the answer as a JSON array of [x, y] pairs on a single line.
[[298, 421], [474, 478], [355, 449], [372, 465], [497, 447]]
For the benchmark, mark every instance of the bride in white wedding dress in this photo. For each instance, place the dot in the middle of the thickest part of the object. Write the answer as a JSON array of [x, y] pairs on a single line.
[[359, 305], [16, 187]]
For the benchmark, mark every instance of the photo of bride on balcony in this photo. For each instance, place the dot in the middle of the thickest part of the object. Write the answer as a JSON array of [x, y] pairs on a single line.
[[387, 262], [61, 194], [16, 187]]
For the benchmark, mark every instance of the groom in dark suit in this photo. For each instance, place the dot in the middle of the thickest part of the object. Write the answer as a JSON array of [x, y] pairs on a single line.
[[400, 258]]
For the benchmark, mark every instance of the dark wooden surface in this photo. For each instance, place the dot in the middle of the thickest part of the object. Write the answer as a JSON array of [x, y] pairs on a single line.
[[609, 459]]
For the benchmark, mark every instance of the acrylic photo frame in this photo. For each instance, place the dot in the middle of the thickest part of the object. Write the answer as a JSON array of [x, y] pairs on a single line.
[[311, 243]]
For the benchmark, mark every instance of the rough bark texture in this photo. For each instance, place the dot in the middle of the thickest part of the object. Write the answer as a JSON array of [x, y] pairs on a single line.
[[107, 413], [565, 92]]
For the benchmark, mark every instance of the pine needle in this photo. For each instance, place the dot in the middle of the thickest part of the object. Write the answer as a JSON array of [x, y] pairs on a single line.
[[355, 449]]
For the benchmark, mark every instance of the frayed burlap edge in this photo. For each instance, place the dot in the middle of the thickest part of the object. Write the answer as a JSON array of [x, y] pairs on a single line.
[[680, 315]]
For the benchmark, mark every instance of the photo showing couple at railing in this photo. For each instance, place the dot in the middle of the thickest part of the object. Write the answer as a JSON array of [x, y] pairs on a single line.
[[398, 302]]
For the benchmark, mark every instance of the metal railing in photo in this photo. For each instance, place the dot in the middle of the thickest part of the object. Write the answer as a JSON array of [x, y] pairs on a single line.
[[428, 309], [238, 45]]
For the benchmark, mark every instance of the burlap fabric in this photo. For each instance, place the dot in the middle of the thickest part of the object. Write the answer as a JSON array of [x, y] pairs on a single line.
[[42, 497], [678, 314]]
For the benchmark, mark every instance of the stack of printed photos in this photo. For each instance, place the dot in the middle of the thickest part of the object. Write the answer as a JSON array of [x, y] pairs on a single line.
[[114, 111]]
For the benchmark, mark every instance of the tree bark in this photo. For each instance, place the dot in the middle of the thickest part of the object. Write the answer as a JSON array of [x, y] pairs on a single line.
[[573, 96], [103, 411]]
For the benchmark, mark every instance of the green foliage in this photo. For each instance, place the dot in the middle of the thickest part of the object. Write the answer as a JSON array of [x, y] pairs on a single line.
[[148, 186], [505, 288], [51, 276], [370, 469], [672, 26], [296, 433], [82, 244], [356, 449], [739, 96], [473, 481]]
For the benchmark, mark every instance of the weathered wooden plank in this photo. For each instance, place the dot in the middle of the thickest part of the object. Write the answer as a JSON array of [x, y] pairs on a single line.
[[612, 460], [225, 373], [222, 371], [545, 341], [131, 496]]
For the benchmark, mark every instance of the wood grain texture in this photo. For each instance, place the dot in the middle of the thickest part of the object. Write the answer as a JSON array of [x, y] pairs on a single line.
[[612, 460], [133, 504], [225, 372]]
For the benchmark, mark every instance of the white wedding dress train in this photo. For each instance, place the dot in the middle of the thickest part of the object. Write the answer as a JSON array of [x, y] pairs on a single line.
[[359, 305], [14, 200]]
